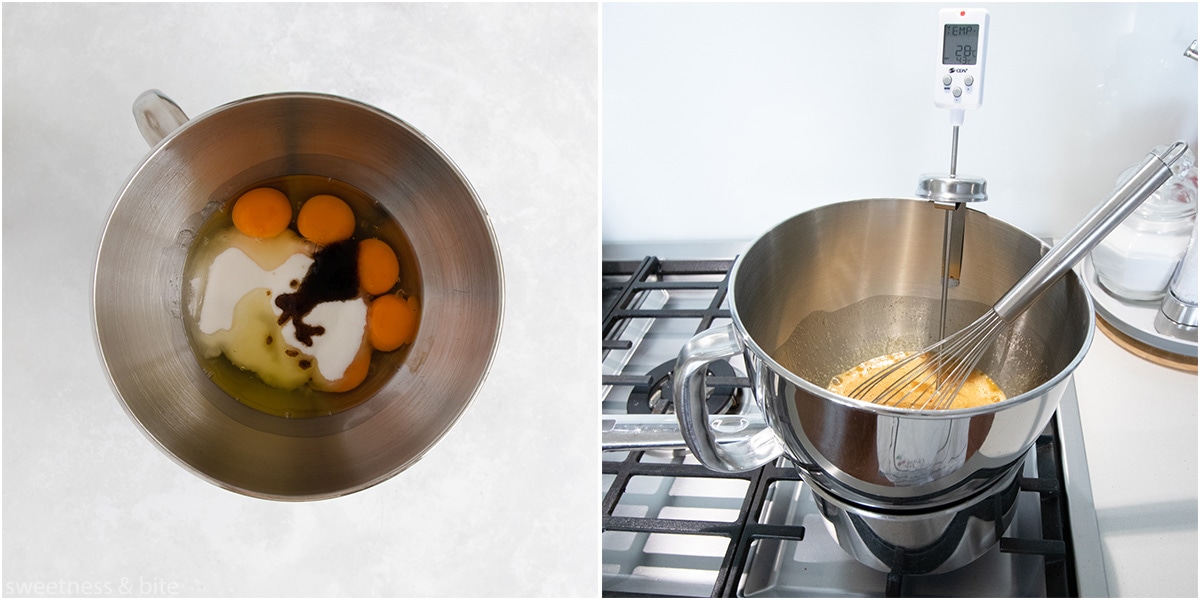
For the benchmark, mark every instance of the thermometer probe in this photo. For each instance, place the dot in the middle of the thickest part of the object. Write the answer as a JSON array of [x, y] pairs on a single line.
[[958, 86]]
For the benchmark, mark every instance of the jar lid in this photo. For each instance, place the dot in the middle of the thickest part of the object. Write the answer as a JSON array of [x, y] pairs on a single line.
[[1175, 199]]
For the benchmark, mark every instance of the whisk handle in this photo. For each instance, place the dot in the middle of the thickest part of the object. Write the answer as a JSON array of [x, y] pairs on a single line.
[[1153, 172]]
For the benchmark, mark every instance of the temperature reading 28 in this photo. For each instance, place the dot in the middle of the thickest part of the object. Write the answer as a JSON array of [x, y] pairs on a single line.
[[959, 44], [964, 54], [960, 70]]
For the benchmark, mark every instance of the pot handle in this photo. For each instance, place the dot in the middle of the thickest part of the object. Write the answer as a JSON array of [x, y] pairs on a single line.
[[736, 456], [157, 116]]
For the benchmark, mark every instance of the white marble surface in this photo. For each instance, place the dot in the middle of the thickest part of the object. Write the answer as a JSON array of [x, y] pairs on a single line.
[[505, 504]]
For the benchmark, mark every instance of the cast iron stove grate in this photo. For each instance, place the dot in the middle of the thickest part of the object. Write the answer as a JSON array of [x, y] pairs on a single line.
[[625, 286]]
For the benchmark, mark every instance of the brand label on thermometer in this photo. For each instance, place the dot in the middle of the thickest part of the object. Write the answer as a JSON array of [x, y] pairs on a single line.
[[960, 71]]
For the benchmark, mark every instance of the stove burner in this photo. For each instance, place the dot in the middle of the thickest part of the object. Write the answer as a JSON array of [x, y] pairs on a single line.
[[656, 397]]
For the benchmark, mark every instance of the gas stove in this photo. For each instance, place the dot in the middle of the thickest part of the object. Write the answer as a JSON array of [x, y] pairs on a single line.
[[674, 528]]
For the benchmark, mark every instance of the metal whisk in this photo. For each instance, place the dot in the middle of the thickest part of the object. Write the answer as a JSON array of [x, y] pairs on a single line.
[[931, 378]]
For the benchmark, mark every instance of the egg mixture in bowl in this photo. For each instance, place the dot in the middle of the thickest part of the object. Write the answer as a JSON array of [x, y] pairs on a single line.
[[296, 292], [277, 355], [895, 388]]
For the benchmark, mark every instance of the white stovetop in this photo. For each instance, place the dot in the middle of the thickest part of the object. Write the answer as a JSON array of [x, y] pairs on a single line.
[[1140, 431]]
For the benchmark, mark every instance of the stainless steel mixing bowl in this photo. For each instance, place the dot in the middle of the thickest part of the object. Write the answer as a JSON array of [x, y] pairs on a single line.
[[139, 273], [843, 283]]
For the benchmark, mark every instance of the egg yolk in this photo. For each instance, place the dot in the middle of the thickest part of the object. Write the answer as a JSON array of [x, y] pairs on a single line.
[[325, 219], [378, 268], [262, 213], [392, 322], [354, 375]]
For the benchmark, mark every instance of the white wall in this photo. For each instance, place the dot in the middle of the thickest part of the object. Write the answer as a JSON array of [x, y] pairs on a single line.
[[720, 120]]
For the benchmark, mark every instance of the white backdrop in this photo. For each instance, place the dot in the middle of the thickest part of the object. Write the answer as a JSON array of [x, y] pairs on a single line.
[[721, 120]]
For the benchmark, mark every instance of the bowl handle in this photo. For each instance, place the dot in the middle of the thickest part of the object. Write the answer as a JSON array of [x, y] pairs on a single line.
[[729, 456], [157, 116], [629, 432]]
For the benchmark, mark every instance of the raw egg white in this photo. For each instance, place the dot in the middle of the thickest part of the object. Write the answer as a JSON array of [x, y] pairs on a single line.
[[233, 306]]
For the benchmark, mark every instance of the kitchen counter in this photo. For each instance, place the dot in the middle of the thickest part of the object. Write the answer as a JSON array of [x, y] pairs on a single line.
[[1139, 423], [92, 508]]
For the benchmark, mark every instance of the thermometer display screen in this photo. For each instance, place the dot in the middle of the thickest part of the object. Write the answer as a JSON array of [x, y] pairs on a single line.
[[960, 46]]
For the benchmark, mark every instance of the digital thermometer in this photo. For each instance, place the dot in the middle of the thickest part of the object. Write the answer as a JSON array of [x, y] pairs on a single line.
[[960, 72], [959, 86]]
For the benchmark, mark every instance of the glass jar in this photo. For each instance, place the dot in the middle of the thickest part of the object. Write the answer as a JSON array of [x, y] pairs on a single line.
[[1136, 261]]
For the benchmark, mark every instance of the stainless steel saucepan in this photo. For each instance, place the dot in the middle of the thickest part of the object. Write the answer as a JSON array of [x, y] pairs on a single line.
[[197, 164]]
